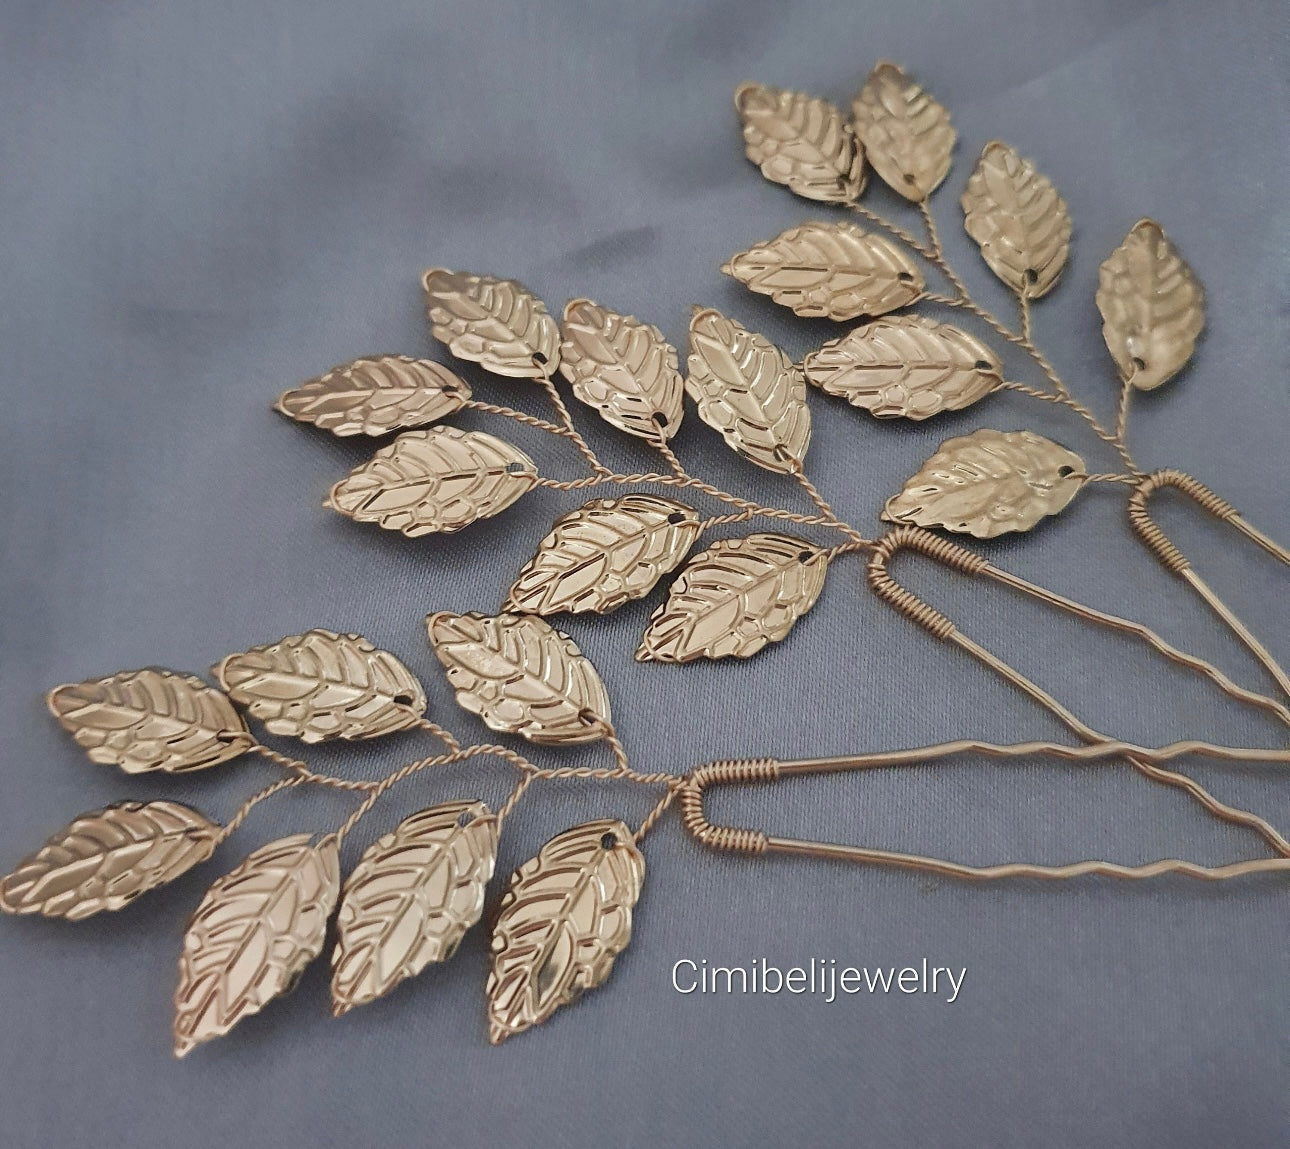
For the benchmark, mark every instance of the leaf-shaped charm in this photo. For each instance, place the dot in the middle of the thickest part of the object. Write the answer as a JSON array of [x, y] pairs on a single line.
[[253, 934], [497, 323], [604, 554], [375, 395], [438, 480], [105, 859], [906, 135], [1152, 307], [566, 916], [734, 598], [1018, 220], [906, 366], [831, 271], [749, 390], [988, 483], [623, 368], [143, 720], [802, 142], [521, 676], [322, 685], [411, 898]]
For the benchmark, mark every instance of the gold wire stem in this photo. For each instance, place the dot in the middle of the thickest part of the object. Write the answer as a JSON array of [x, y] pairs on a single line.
[[445, 736], [906, 237], [227, 830], [566, 419], [1177, 563], [302, 771], [741, 840], [512, 799], [825, 509], [1122, 412], [519, 416], [1023, 306], [660, 808]]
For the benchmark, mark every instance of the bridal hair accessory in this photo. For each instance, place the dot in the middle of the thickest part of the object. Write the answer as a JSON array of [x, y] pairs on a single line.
[[567, 913]]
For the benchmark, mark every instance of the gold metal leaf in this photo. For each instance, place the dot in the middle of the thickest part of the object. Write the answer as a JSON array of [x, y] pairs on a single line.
[[1152, 307], [497, 323], [1017, 218], [521, 676], [623, 368], [565, 918], [907, 136], [322, 685], [435, 481], [143, 720], [988, 483], [734, 598], [105, 859], [749, 390], [375, 395], [604, 554], [830, 271], [802, 142], [905, 366], [254, 933], [411, 898]]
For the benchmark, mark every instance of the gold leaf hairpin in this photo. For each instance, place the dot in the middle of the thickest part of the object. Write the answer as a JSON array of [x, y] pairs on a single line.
[[568, 913]]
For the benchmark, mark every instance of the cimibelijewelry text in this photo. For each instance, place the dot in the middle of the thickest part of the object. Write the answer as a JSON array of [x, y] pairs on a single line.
[[825, 978]]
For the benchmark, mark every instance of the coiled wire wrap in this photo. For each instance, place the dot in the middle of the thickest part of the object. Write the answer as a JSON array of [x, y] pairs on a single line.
[[906, 601], [690, 800], [1150, 533]]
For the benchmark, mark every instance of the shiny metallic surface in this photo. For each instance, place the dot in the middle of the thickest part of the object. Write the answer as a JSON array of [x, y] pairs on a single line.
[[830, 271], [989, 483], [322, 685], [496, 323], [565, 918], [521, 676], [735, 598], [604, 554], [907, 136]]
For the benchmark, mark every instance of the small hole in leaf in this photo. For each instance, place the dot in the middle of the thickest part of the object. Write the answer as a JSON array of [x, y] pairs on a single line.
[[1065, 471], [675, 517], [465, 818], [1139, 364], [227, 737], [539, 358], [1030, 277], [982, 365], [608, 841], [909, 177], [805, 556], [906, 277], [659, 419], [402, 700], [515, 468]]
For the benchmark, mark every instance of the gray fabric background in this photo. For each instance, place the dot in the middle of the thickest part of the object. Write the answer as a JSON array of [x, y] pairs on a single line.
[[204, 204]]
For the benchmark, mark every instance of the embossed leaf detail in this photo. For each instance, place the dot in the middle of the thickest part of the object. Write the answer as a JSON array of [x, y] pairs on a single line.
[[734, 598], [375, 395], [749, 390], [411, 898], [438, 480], [565, 918], [321, 685], [604, 554], [497, 323], [988, 483], [906, 135], [1152, 307], [1017, 218], [623, 368], [905, 366], [802, 142], [830, 270], [105, 859], [521, 676], [254, 933], [143, 720]]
